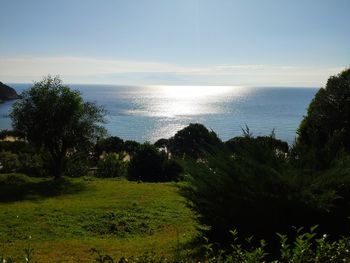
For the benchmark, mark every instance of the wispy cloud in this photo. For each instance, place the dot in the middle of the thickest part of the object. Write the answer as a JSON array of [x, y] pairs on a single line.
[[95, 70]]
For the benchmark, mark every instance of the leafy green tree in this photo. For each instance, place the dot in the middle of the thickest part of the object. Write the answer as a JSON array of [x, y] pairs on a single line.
[[192, 141], [57, 121], [325, 131]]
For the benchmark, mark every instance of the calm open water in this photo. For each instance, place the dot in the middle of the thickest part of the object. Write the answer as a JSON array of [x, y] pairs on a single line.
[[148, 113]]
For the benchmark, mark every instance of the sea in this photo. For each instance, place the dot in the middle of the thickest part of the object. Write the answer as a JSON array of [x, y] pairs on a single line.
[[148, 113]]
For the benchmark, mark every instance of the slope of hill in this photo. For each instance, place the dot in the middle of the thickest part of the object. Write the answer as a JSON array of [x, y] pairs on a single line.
[[7, 93]]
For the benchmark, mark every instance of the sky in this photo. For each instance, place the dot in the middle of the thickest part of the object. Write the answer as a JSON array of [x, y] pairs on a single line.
[[175, 42]]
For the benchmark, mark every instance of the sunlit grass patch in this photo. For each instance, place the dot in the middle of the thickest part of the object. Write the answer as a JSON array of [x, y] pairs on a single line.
[[116, 216]]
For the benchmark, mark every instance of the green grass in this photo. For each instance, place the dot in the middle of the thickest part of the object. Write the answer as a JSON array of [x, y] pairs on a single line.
[[66, 219]]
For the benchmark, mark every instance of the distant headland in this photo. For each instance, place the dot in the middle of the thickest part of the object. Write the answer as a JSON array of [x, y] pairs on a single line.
[[7, 93]]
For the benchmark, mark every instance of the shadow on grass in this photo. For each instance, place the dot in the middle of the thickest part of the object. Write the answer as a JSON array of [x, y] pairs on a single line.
[[36, 190]]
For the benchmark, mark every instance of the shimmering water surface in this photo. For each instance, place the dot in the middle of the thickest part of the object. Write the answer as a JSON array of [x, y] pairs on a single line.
[[148, 113]]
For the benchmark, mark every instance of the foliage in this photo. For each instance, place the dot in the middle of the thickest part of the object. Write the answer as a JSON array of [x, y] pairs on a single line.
[[77, 165], [192, 141], [306, 247], [56, 119], [263, 149], [30, 164], [131, 147], [10, 133], [16, 147], [162, 143], [232, 193], [111, 165], [28, 254], [13, 179], [111, 144], [18, 156], [251, 187], [8, 162], [325, 131], [150, 165]]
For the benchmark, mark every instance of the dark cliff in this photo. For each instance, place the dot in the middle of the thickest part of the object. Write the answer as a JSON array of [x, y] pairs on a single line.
[[7, 93]]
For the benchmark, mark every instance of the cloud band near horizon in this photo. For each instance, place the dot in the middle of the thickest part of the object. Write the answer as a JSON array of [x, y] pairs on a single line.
[[127, 72]]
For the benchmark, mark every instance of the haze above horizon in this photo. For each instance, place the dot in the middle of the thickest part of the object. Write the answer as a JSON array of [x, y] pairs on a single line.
[[183, 42]]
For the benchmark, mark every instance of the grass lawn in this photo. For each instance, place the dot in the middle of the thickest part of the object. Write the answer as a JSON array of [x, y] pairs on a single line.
[[65, 220]]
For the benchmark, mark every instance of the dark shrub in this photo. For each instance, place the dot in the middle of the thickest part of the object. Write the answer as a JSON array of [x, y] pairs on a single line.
[[13, 179], [172, 170], [8, 162], [265, 150], [77, 165], [111, 165], [162, 143], [31, 164], [16, 147], [252, 187], [131, 147], [150, 165], [192, 141], [112, 144]]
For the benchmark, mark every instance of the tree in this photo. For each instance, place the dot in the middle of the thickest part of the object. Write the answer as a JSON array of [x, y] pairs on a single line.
[[325, 130], [192, 141], [131, 147], [56, 120], [111, 144], [150, 165]]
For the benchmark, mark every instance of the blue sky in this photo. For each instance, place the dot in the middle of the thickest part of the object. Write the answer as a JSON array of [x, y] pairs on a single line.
[[175, 42]]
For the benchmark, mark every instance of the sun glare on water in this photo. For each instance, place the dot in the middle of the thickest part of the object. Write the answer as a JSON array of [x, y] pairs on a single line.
[[184, 101], [188, 92], [174, 101]]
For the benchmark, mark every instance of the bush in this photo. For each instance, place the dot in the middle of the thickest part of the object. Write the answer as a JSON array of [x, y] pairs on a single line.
[[16, 147], [260, 198], [22, 162], [77, 165], [151, 165], [111, 165], [8, 162], [13, 179], [31, 164], [263, 149]]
